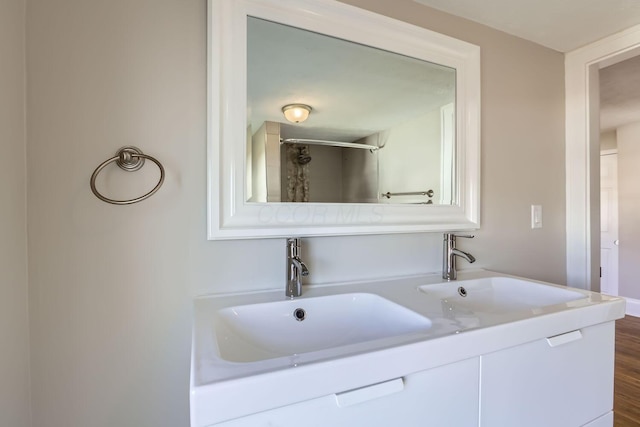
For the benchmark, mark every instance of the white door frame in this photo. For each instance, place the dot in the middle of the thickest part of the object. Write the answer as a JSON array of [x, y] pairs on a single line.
[[583, 151]]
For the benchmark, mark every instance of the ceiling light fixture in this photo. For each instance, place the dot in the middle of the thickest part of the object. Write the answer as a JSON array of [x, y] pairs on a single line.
[[296, 113]]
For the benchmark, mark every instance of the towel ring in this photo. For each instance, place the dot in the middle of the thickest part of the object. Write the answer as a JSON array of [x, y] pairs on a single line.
[[129, 159]]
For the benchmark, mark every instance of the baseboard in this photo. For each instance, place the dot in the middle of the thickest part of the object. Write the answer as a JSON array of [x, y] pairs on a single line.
[[633, 307]]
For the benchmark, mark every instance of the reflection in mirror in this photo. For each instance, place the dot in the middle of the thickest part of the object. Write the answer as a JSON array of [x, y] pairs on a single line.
[[381, 126]]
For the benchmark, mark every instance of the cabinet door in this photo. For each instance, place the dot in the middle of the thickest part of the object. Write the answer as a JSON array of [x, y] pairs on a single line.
[[562, 381], [445, 396]]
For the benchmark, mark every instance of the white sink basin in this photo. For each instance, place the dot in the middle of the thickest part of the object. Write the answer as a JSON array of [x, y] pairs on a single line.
[[499, 295], [254, 332]]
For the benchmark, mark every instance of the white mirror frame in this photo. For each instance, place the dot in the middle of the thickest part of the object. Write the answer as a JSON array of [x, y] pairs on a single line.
[[232, 217]]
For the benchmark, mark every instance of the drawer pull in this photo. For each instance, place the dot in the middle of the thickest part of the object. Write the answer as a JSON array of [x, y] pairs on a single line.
[[359, 395], [561, 339]]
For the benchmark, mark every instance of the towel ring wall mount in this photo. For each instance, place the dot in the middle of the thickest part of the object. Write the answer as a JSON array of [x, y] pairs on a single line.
[[129, 159]]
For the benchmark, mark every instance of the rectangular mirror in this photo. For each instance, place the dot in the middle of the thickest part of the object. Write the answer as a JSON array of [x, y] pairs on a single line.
[[373, 136], [381, 131]]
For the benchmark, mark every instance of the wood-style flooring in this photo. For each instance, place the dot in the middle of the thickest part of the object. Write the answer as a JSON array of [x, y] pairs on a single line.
[[626, 399]]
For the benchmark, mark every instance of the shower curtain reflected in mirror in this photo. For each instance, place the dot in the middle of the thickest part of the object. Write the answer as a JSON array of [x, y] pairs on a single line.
[[298, 158]]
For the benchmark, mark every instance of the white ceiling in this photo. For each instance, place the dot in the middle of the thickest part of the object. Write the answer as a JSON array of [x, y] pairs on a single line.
[[562, 25]]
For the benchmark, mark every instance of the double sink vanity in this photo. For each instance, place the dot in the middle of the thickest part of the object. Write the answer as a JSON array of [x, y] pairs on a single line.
[[485, 350]]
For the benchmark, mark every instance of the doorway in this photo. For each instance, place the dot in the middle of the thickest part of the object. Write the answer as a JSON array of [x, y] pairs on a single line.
[[582, 68]]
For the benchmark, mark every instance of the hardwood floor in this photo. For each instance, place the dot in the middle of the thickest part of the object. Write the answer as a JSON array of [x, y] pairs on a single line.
[[626, 400]]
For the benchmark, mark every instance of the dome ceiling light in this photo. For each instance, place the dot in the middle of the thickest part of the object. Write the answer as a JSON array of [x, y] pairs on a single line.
[[296, 113]]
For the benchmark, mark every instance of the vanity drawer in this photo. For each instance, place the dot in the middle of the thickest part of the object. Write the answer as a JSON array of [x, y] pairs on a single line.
[[561, 381], [444, 396]]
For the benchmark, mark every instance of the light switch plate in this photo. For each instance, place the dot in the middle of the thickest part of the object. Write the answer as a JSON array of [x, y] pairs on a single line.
[[536, 216]]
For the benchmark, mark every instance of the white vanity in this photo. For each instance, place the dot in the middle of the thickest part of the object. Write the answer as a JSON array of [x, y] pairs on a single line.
[[487, 350]]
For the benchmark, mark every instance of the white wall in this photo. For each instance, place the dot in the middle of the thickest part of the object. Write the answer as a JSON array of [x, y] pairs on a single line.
[[629, 209], [111, 286], [14, 326], [405, 163], [409, 163], [608, 140], [258, 165], [360, 172], [265, 164]]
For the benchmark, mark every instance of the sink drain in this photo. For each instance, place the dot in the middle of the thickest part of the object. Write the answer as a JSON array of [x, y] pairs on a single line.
[[299, 314], [462, 291]]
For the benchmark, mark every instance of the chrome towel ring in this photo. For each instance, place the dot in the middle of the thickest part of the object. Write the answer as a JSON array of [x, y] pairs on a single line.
[[129, 159]]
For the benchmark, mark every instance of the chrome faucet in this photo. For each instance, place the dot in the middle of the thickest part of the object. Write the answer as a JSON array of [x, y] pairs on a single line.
[[295, 268], [450, 252]]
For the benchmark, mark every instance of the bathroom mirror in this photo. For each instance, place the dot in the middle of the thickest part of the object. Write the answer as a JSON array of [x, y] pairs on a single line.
[[372, 136], [391, 142]]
